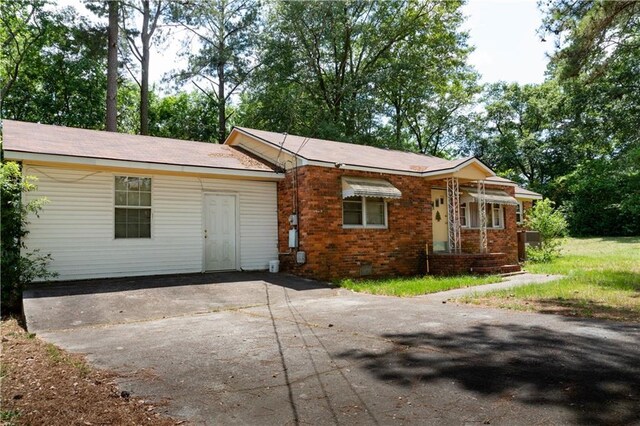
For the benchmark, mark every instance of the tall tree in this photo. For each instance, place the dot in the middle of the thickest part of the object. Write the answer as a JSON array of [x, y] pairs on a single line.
[[150, 12], [345, 70], [185, 115], [521, 136], [426, 83], [112, 68], [590, 34], [596, 61], [62, 80], [226, 31], [22, 30]]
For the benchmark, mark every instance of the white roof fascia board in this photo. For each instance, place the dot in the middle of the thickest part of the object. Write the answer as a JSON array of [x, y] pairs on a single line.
[[251, 135], [493, 182], [258, 154], [458, 168], [305, 162], [528, 197], [89, 161], [363, 168]]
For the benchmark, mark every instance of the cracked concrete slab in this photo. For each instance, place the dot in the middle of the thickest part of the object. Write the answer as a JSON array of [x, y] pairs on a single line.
[[274, 349]]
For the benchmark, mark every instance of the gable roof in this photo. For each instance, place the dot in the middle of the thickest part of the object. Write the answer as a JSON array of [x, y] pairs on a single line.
[[343, 154], [22, 140]]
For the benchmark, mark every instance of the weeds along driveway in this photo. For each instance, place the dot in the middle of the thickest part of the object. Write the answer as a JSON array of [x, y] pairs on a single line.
[[264, 349]]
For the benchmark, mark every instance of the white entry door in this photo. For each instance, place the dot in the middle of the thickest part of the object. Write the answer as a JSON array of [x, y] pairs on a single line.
[[440, 220], [220, 232]]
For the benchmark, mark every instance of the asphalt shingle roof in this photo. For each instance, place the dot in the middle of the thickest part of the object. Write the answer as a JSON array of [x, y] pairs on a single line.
[[58, 140], [352, 154]]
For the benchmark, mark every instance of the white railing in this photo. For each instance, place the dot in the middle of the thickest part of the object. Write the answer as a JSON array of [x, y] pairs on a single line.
[[482, 216], [453, 204]]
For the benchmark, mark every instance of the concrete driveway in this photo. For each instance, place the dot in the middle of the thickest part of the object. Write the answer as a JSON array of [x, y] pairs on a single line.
[[259, 348]]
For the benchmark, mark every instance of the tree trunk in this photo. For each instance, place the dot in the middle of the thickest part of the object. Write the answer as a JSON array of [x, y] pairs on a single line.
[[144, 80], [398, 124], [222, 118], [112, 68]]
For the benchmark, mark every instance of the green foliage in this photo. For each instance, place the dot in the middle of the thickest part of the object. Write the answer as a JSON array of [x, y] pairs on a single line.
[[552, 227], [19, 267], [58, 356], [8, 417], [574, 138], [60, 79], [518, 138], [190, 116], [390, 74], [604, 199], [597, 62], [226, 32]]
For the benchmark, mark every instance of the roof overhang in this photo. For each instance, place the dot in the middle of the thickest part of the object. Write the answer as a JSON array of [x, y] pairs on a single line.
[[528, 196], [373, 188], [471, 195], [37, 158]]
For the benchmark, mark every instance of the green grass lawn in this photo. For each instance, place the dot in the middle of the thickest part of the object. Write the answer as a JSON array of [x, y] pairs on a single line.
[[415, 286], [602, 281]]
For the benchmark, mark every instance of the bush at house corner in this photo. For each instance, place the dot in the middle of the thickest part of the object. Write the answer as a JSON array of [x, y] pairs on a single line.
[[552, 227], [19, 267]]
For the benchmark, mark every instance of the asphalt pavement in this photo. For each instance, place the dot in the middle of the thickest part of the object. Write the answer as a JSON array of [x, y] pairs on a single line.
[[259, 348]]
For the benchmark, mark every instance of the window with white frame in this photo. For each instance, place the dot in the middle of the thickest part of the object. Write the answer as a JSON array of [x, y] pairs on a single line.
[[519, 213], [132, 207], [463, 215], [364, 212], [496, 215], [469, 217]]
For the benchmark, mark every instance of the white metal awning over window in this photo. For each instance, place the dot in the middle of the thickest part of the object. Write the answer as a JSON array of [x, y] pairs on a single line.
[[374, 188], [470, 195]]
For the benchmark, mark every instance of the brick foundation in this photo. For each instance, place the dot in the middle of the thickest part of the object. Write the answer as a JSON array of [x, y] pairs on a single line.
[[469, 263]]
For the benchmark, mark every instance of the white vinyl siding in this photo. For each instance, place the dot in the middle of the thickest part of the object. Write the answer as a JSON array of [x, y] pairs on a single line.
[[77, 224]]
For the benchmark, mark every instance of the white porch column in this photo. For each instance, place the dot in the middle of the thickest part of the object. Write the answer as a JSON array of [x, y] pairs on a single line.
[[453, 205], [482, 216]]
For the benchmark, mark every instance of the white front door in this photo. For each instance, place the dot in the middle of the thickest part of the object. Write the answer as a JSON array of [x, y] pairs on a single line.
[[220, 232], [440, 220]]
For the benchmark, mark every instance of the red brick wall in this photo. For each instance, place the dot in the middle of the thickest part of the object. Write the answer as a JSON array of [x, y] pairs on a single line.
[[526, 206], [498, 240], [463, 263], [333, 252]]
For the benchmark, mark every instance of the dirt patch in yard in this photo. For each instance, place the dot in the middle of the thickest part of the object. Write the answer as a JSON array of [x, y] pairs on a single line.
[[42, 384], [565, 307]]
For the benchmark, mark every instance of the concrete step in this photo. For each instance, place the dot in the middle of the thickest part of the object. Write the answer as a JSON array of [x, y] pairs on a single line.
[[485, 270], [507, 269], [481, 263], [490, 260], [513, 274]]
